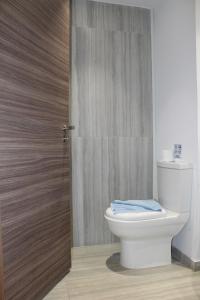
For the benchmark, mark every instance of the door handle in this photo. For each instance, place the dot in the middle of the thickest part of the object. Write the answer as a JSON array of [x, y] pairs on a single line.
[[66, 129]]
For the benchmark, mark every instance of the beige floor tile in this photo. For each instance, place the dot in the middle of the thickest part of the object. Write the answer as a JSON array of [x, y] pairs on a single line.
[[97, 275], [60, 292]]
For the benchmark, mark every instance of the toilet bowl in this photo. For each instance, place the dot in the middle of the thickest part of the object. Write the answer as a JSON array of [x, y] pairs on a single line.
[[146, 242], [146, 237]]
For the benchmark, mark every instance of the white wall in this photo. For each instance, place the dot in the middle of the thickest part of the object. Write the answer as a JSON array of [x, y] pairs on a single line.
[[176, 94], [196, 239]]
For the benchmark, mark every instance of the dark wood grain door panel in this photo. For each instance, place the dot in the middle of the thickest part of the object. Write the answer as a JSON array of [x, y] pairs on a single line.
[[35, 164]]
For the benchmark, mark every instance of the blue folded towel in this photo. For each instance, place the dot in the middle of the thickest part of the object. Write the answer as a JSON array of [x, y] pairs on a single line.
[[125, 206]]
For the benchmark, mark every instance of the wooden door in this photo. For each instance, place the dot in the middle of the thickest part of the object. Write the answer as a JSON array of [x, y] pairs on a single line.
[[35, 180]]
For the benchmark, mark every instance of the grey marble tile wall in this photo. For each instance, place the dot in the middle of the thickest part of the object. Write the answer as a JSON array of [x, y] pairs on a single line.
[[112, 145]]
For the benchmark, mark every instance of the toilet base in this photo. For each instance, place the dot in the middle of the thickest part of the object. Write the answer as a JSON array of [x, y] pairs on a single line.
[[137, 254]]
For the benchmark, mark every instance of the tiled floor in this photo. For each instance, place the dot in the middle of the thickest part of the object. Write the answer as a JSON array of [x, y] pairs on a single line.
[[97, 275]]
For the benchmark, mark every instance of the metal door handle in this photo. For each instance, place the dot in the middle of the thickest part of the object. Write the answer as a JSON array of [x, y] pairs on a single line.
[[69, 127]]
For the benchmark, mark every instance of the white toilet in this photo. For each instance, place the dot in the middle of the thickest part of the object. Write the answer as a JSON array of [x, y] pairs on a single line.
[[146, 237]]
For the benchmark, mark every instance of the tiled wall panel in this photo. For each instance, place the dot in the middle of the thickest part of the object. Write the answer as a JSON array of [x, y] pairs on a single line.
[[112, 144]]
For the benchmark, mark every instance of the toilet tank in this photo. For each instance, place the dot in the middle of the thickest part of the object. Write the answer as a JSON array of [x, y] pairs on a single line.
[[175, 185]]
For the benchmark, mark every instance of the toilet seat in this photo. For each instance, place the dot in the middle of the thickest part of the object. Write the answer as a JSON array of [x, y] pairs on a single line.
[[136, 216]]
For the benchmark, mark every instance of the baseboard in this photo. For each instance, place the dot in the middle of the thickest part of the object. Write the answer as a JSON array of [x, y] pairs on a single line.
[[185, 260]]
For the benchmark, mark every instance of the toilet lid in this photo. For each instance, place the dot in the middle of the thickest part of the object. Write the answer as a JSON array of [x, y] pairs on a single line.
[[136, 216]]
